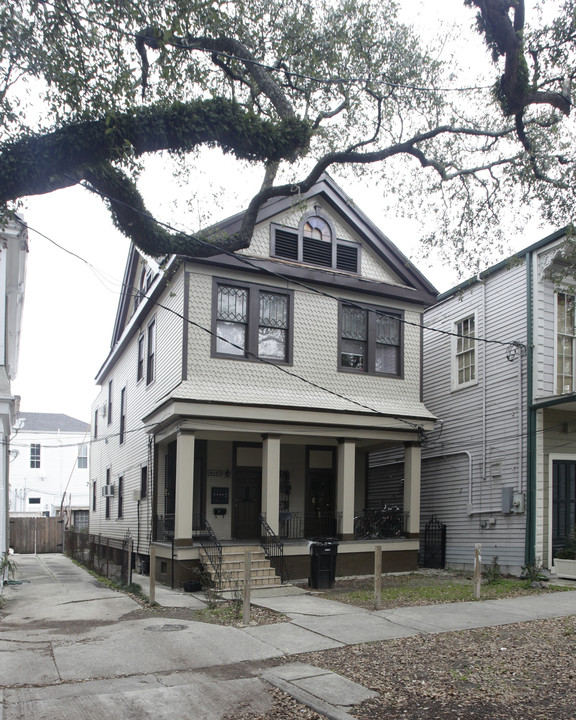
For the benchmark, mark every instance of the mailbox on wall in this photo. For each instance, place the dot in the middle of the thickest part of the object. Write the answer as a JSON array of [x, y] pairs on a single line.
[[220, 495]]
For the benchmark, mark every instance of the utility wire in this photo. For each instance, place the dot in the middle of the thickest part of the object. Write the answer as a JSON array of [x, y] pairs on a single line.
[[254, 265], [270, 68]]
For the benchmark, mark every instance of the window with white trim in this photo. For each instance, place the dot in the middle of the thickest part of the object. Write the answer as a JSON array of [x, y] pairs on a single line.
[[35, 455], [150, 359], [465, 371], [83, 457], [565, 337]]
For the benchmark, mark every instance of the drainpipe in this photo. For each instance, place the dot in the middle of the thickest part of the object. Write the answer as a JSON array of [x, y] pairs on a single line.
[[529, 551]]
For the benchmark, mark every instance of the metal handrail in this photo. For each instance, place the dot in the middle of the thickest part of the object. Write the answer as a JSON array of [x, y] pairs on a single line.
[[273, 548], [211, 546]]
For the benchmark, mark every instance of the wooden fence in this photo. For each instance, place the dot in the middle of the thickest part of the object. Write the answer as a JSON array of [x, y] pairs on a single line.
[[36, 534]]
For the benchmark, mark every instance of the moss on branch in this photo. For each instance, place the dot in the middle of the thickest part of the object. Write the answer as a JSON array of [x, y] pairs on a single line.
[[39, 164]]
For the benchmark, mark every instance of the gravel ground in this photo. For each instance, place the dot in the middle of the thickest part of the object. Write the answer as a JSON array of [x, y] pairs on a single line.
[[526, 670]]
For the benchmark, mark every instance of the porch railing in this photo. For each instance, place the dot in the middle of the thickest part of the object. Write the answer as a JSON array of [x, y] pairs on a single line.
[[382, 523], [299, 525], [212, 547], [164, 527], [273, 548]]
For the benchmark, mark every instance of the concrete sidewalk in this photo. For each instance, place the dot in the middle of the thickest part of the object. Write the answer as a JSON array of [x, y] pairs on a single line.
[[61, 627]]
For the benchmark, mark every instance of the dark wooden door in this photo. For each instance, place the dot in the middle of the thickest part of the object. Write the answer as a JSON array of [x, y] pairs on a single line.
[[321, 503], [247, 503]]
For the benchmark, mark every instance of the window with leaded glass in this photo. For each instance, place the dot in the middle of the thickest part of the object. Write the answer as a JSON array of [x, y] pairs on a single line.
[[565, 336], [370, 340], [273, 326], [252, 322], [232, 322], [465, 371]]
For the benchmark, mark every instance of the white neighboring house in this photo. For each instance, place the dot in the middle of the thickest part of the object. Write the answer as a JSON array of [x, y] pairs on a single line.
[[13, 252], [49, 466]]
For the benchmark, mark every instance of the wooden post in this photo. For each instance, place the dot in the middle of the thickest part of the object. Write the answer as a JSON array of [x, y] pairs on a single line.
[[477, 570], [378, 577], [247, 580], [152, 575]]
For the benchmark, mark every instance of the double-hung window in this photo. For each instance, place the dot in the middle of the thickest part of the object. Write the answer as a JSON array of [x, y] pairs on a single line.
[[140, 365], [465, 352], [565, 341], [252, 322], [83, 457], [150, 359], [122, 433], [35, 455], [370, 340]]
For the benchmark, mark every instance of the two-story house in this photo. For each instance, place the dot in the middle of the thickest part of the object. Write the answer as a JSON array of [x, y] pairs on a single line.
[[49, 467], [500, 374], [13, 255], [253, 385]]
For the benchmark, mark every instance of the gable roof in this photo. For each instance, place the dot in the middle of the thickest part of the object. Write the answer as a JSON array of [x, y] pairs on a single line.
[[414, 285], [51, 422]]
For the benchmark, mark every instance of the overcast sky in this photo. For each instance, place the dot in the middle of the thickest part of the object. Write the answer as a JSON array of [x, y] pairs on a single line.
[[71, 300]]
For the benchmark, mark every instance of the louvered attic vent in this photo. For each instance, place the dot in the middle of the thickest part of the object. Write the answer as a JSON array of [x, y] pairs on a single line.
[[347, 258], [286, 244], [317, 252], [314, 251]]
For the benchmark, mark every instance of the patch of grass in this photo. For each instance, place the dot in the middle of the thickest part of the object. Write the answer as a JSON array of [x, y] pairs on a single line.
[[421, 589], [226, 613]]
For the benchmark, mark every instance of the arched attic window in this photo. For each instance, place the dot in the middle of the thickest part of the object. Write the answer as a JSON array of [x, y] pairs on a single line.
[[315, 243]]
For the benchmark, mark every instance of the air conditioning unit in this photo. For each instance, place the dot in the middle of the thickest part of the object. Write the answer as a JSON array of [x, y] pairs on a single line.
[[108, 491]]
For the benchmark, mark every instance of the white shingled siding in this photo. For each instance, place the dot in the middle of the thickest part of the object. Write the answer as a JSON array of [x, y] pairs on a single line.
[[371, 266], [481, 448], [315, 358], [126, 460]]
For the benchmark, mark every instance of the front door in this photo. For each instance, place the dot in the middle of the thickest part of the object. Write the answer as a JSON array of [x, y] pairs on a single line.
[[563, 501], [321, 503], [247, 502]]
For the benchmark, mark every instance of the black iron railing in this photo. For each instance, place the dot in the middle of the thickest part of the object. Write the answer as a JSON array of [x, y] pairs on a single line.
[[385, 522], [273, 548], [212, 547], [299, 525], [164, 528]]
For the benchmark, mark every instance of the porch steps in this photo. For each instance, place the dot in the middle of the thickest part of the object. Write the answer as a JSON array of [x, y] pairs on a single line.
[[262, 573]]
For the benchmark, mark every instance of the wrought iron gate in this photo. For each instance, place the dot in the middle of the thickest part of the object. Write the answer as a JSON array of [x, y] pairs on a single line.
[[434, 544]]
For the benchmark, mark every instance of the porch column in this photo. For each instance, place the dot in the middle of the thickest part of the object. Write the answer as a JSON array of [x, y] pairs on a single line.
[[412, 459], [271, 480], [184, 485], [345, 487]]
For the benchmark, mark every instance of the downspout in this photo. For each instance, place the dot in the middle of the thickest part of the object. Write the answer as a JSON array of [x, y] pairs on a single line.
[[529, 550]]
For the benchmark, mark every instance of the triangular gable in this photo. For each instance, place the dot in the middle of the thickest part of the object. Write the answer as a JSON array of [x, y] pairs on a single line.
[[416, 287]]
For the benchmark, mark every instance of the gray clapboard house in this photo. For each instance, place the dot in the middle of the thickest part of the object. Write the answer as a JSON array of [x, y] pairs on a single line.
[[500, 467], [249, 387]]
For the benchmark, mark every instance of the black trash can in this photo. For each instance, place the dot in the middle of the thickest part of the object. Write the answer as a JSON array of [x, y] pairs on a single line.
[[323, 552]]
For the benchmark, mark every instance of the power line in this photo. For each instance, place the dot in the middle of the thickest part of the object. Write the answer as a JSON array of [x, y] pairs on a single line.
[[270, 68], [310, 288]]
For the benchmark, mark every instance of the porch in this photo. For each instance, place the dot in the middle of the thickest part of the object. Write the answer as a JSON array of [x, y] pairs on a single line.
[[300, 480]]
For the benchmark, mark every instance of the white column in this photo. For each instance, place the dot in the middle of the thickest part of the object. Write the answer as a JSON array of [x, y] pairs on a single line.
[[412, 459], [184, 485], [271, 480], [345, 487]]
